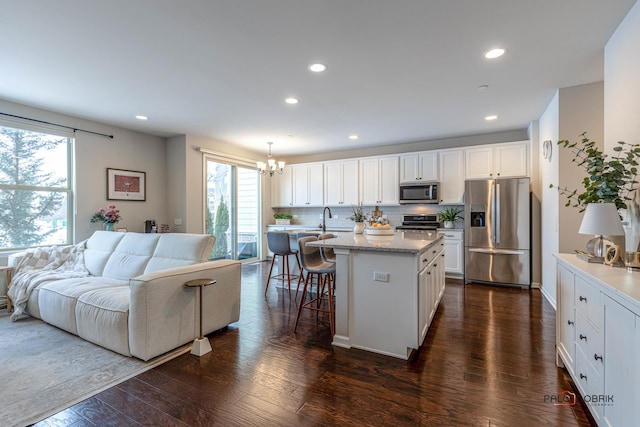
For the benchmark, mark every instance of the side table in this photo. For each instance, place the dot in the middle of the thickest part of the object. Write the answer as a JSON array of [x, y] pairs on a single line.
[[201, 345], [7, 301]]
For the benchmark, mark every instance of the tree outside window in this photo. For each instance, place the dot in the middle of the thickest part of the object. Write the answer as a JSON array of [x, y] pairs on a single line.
[[34, 188]]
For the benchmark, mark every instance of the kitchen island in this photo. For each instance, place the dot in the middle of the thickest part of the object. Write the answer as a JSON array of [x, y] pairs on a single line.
[[387, 289]]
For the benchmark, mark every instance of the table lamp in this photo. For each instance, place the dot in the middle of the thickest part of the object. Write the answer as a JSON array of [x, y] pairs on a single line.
[[601, 219]]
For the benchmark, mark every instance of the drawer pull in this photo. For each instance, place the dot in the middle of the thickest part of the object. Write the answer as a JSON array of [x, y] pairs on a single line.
[[596, 357], [583, 298], [583, 337], [583, 377], [569, 322]]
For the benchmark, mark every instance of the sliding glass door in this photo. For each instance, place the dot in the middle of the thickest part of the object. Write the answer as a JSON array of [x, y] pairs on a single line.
[[232, 210]]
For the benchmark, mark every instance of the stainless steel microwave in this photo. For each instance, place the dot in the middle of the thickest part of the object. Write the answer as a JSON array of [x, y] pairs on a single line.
[[424, 192]]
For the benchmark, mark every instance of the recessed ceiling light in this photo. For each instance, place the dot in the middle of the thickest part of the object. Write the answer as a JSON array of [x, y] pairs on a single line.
[[483, 87], [492, 117], [354, 137], [141, 117], [291, 100], [317, 67], [494, 53]]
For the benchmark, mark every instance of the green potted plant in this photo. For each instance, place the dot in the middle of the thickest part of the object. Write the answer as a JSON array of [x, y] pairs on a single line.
[[359, 218], [449, 215], [609, 179], [282, 218]]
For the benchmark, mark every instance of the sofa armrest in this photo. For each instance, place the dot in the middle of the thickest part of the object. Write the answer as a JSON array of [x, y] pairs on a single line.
[[163, 312], [14, 258]]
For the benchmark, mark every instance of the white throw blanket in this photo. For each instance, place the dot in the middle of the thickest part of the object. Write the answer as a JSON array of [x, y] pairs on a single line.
[[41, 265]]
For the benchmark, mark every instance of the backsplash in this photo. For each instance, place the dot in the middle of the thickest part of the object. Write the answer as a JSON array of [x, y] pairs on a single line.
[[313, 216]]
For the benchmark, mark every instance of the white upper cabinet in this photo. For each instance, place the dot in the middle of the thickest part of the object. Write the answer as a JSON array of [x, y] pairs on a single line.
[[505, 160], [341, 183], [451, 177], [282, 188], [379, 184], [420, 167], [308, 184]]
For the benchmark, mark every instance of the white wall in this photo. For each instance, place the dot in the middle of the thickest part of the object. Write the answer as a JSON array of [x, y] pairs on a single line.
[[622, 82], [572, 111], [94, 154], [581, 110], [548, 131]]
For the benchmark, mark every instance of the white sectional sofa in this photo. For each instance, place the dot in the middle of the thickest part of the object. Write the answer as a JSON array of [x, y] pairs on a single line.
[[133, 300]]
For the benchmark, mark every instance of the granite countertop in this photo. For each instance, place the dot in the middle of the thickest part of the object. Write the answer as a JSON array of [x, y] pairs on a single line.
[[296, 228], [410, 242]]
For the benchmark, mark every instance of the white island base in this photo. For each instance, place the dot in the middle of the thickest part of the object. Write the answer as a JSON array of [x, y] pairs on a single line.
[[387, 290]]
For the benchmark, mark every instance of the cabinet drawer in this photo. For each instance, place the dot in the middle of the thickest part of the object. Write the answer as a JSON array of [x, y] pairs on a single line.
[[429, 255], [589, 340], [587, 301], [589, 382]]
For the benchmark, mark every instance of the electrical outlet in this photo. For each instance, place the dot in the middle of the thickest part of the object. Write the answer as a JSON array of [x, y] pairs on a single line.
[[319, 216], [380, 277], [177, 221], [336, 217], [295, 216]]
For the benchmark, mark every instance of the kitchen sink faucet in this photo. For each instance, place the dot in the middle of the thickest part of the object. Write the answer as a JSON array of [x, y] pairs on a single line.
[[324, 221]]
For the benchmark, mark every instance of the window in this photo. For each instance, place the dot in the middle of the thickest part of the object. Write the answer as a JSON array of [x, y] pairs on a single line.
[[36, 196]]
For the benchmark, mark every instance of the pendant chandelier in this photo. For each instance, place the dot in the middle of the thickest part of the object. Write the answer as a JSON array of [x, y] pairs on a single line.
[[271, 166]]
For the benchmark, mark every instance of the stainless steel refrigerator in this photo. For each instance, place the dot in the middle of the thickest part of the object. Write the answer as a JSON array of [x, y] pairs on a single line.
[[497, 234]]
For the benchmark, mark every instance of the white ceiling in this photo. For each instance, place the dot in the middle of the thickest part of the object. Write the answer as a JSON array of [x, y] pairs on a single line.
[[398, 71]]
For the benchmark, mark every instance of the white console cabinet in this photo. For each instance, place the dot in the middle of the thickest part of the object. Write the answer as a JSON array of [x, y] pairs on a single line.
[[598, 337]]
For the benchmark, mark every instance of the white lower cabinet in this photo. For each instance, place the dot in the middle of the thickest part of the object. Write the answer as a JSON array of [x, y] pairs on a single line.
[[430, 287], [601, 349], [566, 318], [453, 252], [620, 364]]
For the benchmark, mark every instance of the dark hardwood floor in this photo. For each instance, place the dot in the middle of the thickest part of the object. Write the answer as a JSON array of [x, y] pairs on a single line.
[[488, 360]]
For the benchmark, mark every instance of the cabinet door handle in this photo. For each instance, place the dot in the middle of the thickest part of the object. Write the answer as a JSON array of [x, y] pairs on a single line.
[[583, 377], [583, 298], [428, 272], [583, 337], [435, 265], [569, 322], [596, 357]]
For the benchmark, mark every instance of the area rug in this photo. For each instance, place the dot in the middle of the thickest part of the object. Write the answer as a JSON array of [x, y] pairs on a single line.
[[45, 370]]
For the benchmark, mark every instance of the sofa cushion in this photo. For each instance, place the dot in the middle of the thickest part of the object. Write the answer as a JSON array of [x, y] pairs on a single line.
[[57, 299], [130, 257], [180, 249], [102, 318], [99, 248]]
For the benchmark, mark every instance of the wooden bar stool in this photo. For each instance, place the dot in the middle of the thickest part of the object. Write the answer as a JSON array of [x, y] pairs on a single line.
[[278, 242], [314, 265]]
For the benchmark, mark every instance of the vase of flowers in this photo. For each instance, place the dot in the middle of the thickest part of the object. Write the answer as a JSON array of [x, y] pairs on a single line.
[[358, 217], [109, 217]]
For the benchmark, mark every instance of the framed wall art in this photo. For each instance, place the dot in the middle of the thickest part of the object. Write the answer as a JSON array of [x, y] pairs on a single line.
[[126, 185]]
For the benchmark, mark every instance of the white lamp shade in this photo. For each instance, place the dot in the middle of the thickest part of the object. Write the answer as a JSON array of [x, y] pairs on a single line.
[[601, 219]]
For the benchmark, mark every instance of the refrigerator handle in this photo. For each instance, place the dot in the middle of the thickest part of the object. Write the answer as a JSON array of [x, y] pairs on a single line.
[[497, 214], [492, 210]]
